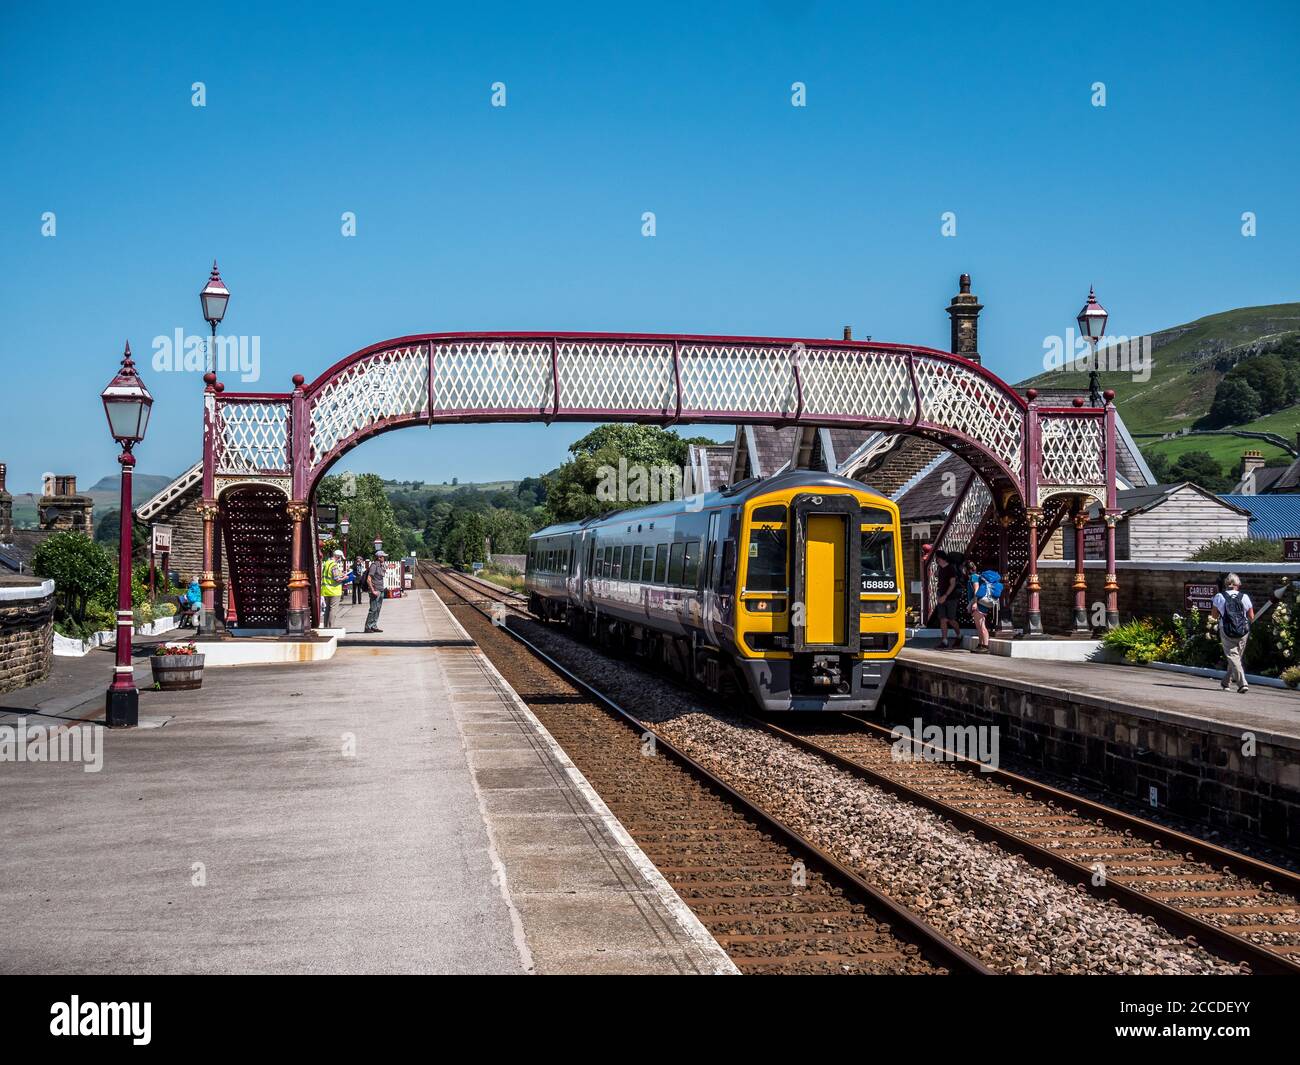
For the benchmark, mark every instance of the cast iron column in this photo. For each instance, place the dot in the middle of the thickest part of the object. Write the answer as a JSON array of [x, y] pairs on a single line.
[[1080, 583], [1034, 627], [122, 700], [299, 615]]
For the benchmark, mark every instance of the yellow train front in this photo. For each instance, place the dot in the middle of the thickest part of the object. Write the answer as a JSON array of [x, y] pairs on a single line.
[[788, 587]]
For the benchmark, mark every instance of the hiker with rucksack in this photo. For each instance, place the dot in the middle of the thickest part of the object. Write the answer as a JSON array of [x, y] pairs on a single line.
[[985, 588], [947, 599], [1235, 613]]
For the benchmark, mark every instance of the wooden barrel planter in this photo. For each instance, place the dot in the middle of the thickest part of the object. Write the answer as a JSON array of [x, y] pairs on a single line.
[[177, 673]]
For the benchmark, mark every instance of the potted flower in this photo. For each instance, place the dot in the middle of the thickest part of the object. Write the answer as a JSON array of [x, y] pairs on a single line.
[[177, 667]]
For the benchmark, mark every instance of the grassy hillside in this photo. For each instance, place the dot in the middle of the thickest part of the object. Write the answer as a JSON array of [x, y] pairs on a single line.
[[1183, 371]]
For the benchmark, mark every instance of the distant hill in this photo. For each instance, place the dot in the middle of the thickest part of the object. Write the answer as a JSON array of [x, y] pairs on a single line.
[[106, 493], [425, 488], [1188, 361]]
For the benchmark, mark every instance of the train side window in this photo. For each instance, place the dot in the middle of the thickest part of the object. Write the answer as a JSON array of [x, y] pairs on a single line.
[[676, 559], [661, 564], [648, 565], [600, 562], [691, 565], [727, 580], [627, 562], [636, 562]]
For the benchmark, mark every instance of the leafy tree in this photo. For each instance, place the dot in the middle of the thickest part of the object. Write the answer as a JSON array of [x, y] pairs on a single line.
[[82, 571], [1159, 463], [1267, 375], [1200, 468], [370, 513], [1235, 403]]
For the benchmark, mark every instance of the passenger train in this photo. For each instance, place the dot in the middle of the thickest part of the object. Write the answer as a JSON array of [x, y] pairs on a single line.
[[787, 587]]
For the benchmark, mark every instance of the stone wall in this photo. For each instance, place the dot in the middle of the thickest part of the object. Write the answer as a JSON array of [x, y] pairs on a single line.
[[1197, 772], [26, 632], [1154, 589]]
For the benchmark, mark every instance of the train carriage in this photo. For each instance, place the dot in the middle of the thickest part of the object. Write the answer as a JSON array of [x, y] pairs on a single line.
[[788, 587]]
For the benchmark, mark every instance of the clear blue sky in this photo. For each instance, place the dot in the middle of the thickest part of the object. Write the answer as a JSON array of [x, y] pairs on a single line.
[[771, 219]]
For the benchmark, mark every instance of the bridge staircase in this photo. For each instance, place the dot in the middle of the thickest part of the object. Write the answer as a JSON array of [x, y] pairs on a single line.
[[258, 544]]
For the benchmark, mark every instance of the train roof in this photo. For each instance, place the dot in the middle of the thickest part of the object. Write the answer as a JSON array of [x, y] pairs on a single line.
[[738, 493]]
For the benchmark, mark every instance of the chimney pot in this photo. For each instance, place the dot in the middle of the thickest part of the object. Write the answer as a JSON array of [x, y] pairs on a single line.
[[964, 311], [848, 332]]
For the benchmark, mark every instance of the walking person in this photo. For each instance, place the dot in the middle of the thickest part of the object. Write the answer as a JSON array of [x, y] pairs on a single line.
[[1235, 613], [947, 600], [333, 574], [358, 578], [375, 586]]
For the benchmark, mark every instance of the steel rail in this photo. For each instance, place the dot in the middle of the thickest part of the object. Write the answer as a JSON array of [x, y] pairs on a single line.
[[959, 959], [1216, 938]]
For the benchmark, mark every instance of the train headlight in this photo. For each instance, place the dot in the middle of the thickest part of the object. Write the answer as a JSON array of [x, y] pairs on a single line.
[[765, 606]]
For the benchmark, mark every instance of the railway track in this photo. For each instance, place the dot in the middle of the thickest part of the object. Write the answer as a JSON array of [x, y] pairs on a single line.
[[1244, 909], [1225, 902], [775, 901]]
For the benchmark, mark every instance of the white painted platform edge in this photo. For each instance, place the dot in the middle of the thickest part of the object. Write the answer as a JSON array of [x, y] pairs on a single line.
[[221, 653], [65, 647], [1044, 650], [718, 961]]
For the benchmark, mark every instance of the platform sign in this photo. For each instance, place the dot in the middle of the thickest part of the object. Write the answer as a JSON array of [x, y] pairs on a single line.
[[1094, 541], [1199, 596], [1291, 549], [162, 539]]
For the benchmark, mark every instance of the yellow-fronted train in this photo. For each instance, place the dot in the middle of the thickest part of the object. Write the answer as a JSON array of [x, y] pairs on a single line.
[[786, 588]]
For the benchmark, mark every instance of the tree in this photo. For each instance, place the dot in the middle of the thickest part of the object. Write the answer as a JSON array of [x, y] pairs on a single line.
[[1235, 403], [612, 455], [1200, 468], [1267, 375], [81, 569], [370, 514], [1158, 461]]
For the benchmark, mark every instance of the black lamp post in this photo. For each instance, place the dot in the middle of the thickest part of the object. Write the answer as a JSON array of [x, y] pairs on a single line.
[[344, 525], [214, 298], [1092, 324], [126, 404]]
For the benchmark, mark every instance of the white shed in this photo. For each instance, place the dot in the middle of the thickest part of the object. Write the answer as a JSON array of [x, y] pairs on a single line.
[[1165, 522]]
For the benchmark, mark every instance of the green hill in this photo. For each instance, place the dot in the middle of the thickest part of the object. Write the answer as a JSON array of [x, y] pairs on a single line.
[[1188, 361]]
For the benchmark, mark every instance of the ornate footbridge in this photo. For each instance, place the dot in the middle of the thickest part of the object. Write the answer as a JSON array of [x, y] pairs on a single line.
[[265, 453]]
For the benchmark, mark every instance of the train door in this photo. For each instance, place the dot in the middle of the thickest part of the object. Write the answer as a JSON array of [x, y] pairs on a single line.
[[826, 561], [712, 556]]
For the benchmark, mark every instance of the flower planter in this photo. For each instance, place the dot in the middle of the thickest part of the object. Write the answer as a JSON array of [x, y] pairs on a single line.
[[177, 673]]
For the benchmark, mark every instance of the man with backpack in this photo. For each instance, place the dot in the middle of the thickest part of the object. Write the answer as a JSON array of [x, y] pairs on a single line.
[[1234, 612], [985, 592], [946, 601]]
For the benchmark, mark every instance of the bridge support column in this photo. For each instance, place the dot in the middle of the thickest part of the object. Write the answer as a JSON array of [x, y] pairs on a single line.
[[1034, 624], [1005, 627], [1080, 583], [1112, 584], [207, 577], [299, 608]]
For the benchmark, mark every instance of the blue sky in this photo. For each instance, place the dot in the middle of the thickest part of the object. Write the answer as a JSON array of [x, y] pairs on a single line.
[[771, 219]]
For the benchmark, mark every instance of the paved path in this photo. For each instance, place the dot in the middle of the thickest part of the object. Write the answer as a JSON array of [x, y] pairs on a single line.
[[391, 810]]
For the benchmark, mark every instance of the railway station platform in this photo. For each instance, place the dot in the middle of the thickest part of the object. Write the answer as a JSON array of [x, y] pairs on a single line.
[[395, 809], [1165, 740]]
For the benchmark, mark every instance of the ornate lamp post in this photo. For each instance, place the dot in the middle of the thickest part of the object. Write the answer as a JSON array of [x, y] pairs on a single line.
[[1092, 324], [344, 525], [126, 404], [214, 298]]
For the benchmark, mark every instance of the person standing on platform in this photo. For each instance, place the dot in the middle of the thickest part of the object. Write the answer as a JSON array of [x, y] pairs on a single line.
[[947, 600], [983, 589], [358, 578], [333, 574], [375, 586], [1234, 612]]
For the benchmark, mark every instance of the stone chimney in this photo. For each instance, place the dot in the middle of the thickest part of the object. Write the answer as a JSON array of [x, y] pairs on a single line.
[[1251, 461], [62, 509], [6, 509], [964, 310]]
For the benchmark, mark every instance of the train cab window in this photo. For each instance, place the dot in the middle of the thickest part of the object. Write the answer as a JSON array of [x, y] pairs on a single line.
[[876, 516], [767, 561], [772, 512], [691, 565], [635, 572], [878, 574], [676, 560], [661, 564], [648, 565]]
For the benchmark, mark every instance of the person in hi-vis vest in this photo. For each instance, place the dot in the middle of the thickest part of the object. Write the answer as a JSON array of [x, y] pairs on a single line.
[[333, 576]]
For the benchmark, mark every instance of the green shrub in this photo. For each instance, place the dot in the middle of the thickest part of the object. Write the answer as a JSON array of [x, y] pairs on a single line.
[[164, 610], [1141, 641], [1291, 676], [81, 569], [1242, 549]]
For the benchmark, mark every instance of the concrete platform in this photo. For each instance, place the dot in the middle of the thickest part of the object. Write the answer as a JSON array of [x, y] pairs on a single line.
[[395, 809]]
